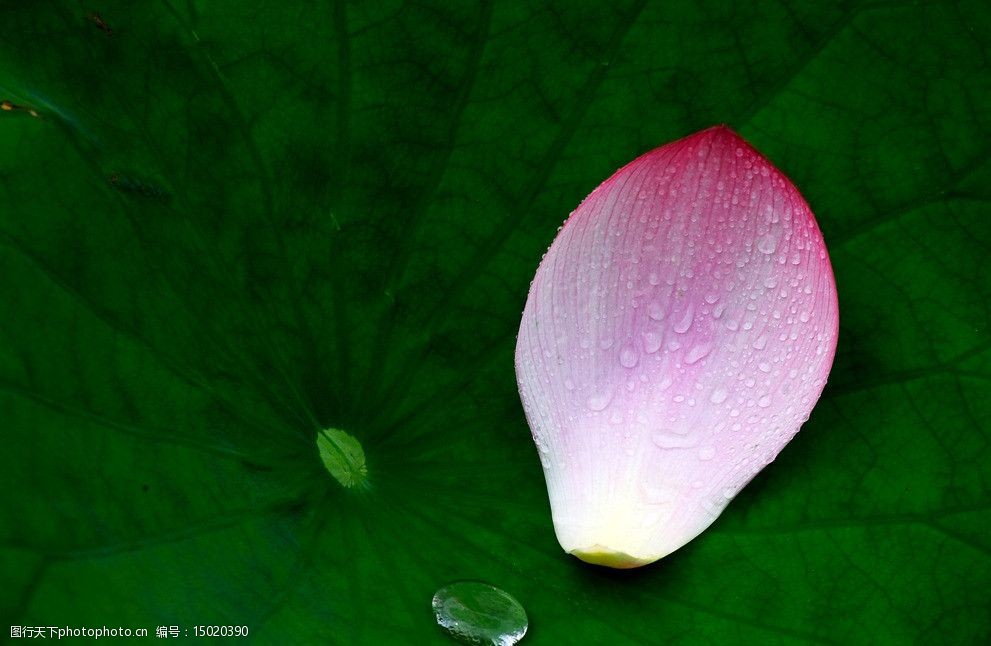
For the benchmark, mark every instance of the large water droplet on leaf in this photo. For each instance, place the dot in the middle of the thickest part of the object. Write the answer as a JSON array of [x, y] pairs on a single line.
[[343, 457], [473, 612]]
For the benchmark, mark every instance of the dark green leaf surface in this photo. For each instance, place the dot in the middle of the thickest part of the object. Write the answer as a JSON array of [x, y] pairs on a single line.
[[231, 224]]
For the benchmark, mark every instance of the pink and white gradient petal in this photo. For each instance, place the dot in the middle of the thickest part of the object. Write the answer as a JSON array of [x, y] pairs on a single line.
[[676, 336]]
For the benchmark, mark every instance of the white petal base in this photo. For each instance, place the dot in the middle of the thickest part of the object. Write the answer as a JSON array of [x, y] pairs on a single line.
[[599, 555]]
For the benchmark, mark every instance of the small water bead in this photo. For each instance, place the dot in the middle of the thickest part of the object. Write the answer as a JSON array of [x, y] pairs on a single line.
[[718, 396], [652, 342], [598, 401], [685, 322], [767, 244], [764, 401], [473, 612], [628, 357], [707, 453], [672, 441], [697, 353]]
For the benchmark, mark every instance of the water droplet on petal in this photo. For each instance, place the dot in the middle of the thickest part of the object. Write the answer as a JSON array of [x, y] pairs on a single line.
[[764, 401], [718, 396], [651, 342], [707, 453], [599, 401], [685, 321], [473, 612], [767, 244], [672, 441], [697, 353], [628, 357]]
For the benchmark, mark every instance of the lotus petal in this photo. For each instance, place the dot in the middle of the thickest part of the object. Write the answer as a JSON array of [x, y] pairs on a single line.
[[676, 336]]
